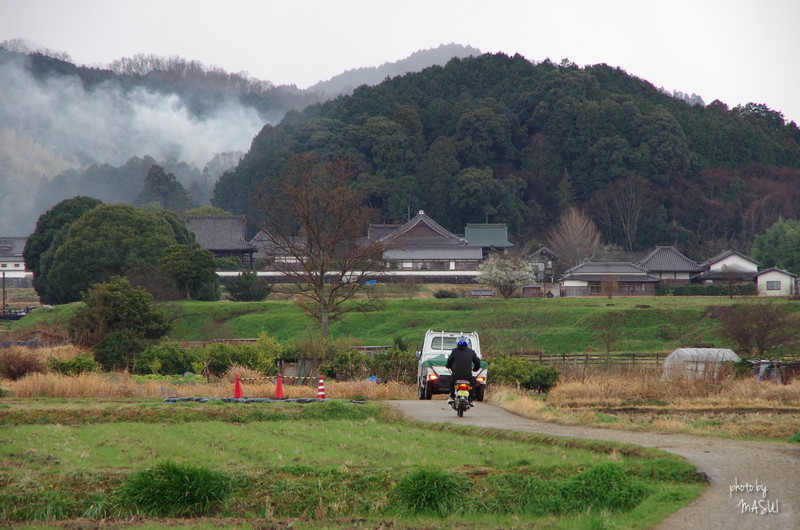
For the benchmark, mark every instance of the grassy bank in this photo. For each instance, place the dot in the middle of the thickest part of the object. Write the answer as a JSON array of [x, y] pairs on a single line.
[[562, 325], [324, 465]]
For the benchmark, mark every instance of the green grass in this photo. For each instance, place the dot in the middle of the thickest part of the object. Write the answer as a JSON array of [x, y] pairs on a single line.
[[561, 325], [323, 465]]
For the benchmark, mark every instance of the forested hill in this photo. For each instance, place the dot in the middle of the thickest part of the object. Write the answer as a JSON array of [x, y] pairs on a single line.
[[65, 127], [499, 139]]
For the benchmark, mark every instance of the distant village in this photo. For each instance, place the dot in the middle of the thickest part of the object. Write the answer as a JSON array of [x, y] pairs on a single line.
[[422, 248]]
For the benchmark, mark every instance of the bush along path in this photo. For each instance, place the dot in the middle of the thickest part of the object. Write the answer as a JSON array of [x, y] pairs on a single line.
[[752, 484]]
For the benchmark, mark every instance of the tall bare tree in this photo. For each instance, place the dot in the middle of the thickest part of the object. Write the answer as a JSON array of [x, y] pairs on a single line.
[[315, 225], [574, 238], [758, 326]]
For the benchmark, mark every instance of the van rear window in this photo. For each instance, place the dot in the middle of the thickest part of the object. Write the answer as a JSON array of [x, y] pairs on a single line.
[[446, 343]]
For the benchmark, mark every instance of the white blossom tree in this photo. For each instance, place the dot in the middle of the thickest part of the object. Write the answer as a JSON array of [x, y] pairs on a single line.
[[506, 273]]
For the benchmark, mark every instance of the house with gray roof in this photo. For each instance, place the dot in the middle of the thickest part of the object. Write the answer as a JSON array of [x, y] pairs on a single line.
[[728, 267], [424, 244], [670, 266], [225, 236], [775, 282], [543, 260], [586, 279], [12, 264]]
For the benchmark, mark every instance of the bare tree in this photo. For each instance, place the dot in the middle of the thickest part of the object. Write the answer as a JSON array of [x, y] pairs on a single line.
[[574, 238], [608, 330], [628, 200], [621, 207], [315, 225], [610, 286], [759, 326]]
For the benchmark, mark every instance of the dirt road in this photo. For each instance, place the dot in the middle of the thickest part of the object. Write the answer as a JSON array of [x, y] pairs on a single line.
[[753, 484]]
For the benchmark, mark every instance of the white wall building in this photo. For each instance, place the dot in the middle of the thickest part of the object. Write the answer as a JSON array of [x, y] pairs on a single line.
[[775, 282]]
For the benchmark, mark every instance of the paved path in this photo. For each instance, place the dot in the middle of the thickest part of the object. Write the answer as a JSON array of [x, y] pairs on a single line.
[[735, 468]]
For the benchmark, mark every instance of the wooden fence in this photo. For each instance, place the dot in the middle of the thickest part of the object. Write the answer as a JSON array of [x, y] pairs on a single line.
[[616, 359]]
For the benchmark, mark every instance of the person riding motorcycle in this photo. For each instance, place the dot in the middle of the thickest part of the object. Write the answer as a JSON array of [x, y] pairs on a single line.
[[461, 362]]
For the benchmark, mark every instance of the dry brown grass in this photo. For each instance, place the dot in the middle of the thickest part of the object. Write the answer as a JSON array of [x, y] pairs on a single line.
[[619, 387], [122, 385], [639, 400]]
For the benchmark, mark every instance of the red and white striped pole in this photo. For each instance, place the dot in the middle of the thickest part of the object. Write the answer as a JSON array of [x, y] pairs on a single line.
[[321, 389]]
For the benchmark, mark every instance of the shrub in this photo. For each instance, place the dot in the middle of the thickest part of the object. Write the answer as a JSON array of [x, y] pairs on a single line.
[[742, 368], [223, 356], [444, 293], [392, 365], [431, 492], [207, 291], [541, 379], [175, 490], [346, 366], [228, 264], [395, 364], [117, 321], [795, 438], [166, 359], [18, 361], [604, 486], [510, 370], [81, 364], [693, 289], [248, 287]]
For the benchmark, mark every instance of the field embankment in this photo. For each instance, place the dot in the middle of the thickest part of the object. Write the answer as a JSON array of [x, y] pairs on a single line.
[[553, 326]]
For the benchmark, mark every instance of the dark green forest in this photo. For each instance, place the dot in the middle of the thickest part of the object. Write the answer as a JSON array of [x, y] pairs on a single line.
[[499, 139]]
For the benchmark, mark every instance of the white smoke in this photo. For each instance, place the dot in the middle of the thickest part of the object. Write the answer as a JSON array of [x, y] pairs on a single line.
[[55, 123]]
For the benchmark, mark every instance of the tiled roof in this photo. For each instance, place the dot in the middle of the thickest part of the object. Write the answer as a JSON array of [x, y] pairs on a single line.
[[11, 248], [487, 235], [589, 271], [622, 278], [668, 259], [544, 252], [422, 231], [721, 256], [735, 275], [606, 267], [222, 233], [776, 269]]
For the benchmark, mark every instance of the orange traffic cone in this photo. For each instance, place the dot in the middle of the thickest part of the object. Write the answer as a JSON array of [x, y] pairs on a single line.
[[279, 387], [237, 387], [321, 389]]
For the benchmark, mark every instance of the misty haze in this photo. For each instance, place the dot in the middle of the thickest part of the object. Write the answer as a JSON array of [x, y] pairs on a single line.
[[53, 124]]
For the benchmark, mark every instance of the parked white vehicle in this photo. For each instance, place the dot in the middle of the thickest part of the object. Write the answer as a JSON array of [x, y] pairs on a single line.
[[432, 375]]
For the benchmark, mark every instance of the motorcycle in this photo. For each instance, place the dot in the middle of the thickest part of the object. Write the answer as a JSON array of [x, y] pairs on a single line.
[[462, 402]]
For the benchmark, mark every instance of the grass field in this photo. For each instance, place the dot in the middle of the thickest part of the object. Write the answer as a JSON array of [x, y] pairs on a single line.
[[556, 326], [321, 465]]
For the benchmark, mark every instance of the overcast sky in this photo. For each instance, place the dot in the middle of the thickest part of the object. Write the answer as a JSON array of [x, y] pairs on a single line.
[[736, 51]]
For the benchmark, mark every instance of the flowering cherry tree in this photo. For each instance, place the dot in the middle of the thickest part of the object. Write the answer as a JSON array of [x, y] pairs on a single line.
[[505, 273]]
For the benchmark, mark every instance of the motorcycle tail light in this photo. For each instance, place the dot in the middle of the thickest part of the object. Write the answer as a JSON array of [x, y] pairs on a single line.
[[463, 386]]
